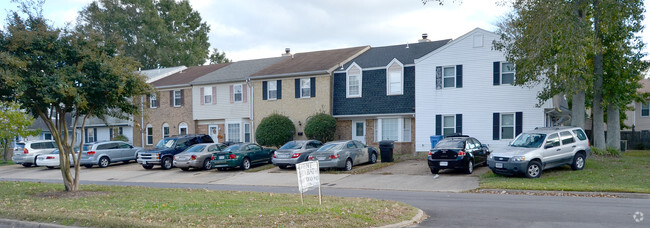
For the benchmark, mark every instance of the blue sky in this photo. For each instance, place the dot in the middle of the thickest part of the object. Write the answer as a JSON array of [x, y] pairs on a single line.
[[249, 29]]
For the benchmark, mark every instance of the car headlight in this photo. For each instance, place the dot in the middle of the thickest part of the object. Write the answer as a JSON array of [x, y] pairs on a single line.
[[518, 158], [489, 157]]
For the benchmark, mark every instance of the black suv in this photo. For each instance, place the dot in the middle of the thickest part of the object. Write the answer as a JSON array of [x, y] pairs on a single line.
[[457, 152], [163, 153]]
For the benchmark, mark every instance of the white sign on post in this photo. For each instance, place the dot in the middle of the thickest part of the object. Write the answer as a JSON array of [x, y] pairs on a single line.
[[308, 177]]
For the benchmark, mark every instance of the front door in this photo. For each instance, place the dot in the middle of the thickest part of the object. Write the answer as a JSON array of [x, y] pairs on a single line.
[[359, 131], [214, 132]]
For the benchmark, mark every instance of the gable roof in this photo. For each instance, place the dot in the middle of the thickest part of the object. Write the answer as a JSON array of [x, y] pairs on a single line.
[[382, 56], [236, 71], [184, 77], [155, 74], [464, 36], [310, 63]]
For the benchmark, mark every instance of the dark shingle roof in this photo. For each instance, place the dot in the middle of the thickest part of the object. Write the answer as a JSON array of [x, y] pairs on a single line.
[[310, 62], [381, 56], [186, 76], [237, 71]]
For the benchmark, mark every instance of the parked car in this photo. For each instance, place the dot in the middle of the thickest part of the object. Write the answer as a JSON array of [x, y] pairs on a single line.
[[294, 152], [457, 152], [344, 154], [197, 156], [163, 153], [52, 161], [104, 153], [25, 152], [242, 155], [543, 148]]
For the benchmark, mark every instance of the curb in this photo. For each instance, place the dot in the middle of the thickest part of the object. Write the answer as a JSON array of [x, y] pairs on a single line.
[[419, 217], [26, 224], [563, 193]]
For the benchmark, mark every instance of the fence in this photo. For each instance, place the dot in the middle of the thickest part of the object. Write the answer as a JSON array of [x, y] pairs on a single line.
[[630, 140]]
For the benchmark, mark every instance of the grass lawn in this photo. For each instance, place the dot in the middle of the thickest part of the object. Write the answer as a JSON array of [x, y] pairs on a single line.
[[628, 173], [3, 163], [116, 206]]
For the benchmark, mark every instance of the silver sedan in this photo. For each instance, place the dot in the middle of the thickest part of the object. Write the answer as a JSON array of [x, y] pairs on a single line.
[[344, 154], [294, 152], [197, 156]]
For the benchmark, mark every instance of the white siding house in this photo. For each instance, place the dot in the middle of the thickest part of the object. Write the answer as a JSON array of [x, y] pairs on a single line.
[[463, 87]]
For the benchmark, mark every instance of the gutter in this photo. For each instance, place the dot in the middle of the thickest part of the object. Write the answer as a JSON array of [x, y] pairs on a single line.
[[373, 115], [291, 74], [174, 86]]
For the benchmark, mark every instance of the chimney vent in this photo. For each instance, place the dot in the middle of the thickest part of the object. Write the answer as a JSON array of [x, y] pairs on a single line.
[[424, 38], [287, 52]]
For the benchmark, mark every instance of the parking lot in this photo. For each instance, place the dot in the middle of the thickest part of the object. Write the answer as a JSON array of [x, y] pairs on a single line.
[[408, 175]]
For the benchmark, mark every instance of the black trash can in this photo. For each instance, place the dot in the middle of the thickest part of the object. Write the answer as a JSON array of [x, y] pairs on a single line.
[[386, 148]]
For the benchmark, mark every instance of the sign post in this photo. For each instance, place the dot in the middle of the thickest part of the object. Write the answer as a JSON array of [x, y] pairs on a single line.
[[308, 178]]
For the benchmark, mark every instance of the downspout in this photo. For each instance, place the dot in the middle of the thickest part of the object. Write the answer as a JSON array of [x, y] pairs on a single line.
[[141, 121], [251, 109]]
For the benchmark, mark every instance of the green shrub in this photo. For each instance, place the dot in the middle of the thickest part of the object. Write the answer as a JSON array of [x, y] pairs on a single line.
[[321, 127], [607, 152], [275, 130], [121, 138]]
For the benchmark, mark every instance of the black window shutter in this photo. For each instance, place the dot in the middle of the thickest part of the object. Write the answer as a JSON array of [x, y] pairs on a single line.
[[86, 135], [278, 85], [158, 99], [312, 86], [171, 98], [149, 101], [297, 87], [438, 124], [265, 90], [496, 77], [459, 76], [438, 77], [459, 123], [94, 134], [182, 97], [519, 119], [495, 126]]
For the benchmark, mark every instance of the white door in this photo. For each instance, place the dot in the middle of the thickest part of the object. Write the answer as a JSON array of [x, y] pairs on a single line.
[[359, 131], [214, 132]]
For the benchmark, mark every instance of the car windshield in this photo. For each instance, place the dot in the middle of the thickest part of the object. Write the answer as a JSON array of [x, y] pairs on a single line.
[[292, 145], [529, 140], [166, 143], [195, 149], [449, 144], [20, 146], [232, 148], [330, 146]]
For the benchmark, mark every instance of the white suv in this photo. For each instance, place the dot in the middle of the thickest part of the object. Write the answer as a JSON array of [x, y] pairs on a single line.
[[25, 152], [540, 149]]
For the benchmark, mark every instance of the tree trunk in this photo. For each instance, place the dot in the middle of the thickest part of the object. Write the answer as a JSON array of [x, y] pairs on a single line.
[[597, 111], [578, 110], [613, 127]]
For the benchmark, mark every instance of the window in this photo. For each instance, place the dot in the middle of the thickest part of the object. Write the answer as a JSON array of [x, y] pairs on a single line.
[[449, 76], [507, 73], [149, 135], [359, 129], [233, 132], [237, 94], [507, 126], [177, 98], [645, 109], [305, 87], [394, 78], [354, 81], [448, 125], [397, 129], [407, 130], [389, 129], [115, 131], [165, 130], [91, 134], [581, 134], [153, 101], [207, 95], [182, 128], [552, 141], [273, 90], [566, 137], [247, 132], [47, 136]]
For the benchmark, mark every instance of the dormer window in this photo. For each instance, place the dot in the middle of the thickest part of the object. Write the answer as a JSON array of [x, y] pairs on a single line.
[[395, 78], [353, 81]]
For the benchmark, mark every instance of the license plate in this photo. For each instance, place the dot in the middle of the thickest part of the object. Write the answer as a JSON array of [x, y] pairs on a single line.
[[443, 164], [144, 162], [499, 165], [283, 156], [320, 158], [221, 157]]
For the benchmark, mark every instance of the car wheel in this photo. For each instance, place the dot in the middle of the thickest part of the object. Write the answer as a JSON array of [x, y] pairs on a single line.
[[348, 165], [245, 164], [470, 167], [167, 163], [578, 162], [50, 167], [127, 161], [207, 165], [147, 166], [27, 164], [88, 166], [534, 169], [434, 170], [373, 158], [185, 169], [104, 162], [282, 166]]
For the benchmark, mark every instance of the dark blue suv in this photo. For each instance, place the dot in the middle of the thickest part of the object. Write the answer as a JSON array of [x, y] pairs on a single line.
[[163, 153]]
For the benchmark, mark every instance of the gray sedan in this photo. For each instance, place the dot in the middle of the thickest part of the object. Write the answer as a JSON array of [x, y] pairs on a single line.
[[294, 152], [197, 156], [344, 154]]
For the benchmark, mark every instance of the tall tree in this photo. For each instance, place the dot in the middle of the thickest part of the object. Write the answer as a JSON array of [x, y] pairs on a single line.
[[156, 33], [13, 123], [51, 73], [218, 57]]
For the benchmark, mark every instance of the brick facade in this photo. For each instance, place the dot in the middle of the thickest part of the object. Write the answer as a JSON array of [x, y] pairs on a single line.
[[166, 112]]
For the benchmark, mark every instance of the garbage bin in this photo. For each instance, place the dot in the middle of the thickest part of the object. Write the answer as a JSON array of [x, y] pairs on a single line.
[[386, 148], [434, 140]]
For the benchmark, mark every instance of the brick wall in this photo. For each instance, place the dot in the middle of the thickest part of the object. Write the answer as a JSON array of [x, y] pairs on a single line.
[[167, 113]]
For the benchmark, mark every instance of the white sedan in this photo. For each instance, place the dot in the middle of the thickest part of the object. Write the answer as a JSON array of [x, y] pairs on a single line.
[[51, 160]]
